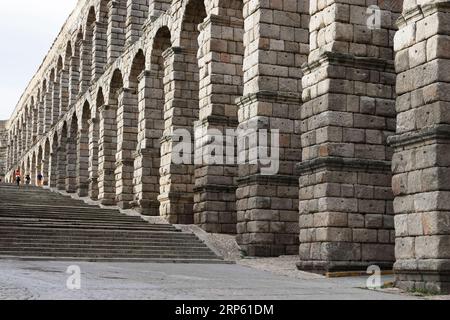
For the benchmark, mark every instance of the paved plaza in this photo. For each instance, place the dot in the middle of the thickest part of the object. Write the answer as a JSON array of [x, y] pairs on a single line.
[[44, 280]]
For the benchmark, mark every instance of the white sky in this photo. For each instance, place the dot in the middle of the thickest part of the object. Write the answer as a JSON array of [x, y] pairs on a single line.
[[27, 31]]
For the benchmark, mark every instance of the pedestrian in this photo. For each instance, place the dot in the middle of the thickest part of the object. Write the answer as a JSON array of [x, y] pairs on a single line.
[[18, 179], [27, 179], [40, 177]]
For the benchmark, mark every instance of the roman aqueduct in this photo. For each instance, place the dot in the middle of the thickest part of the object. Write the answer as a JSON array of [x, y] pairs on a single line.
[[361, 109]]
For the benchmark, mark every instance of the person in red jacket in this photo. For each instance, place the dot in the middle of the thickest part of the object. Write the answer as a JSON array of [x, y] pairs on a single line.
[[18, 178]]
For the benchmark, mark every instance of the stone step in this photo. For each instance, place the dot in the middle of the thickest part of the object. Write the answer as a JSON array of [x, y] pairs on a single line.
[[117, 259], [107, 254], [81, 225], [149, 236], [106, 239], [83, 239], [54, 203], [80, 211], [91, 233], [162, 243], [103, 248], [72, 218], [58, 204], [26, 208], [67, 213], [40, 225], [12, 231], [87, 221]]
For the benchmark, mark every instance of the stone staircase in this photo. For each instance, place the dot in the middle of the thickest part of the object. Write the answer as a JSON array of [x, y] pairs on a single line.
[[38, 224]]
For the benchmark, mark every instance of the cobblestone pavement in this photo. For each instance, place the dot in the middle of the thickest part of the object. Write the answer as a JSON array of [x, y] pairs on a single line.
[[47, 280]]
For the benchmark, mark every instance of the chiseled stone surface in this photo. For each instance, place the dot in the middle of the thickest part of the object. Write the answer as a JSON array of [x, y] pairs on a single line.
[[346, 216], [422, 155]]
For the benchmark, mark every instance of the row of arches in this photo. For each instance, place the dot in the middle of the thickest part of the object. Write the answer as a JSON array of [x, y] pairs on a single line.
[[115, 141], [120, 152], [101, 37]]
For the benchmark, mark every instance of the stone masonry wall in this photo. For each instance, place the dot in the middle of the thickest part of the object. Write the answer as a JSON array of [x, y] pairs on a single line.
[[346, 216], [421, 161]]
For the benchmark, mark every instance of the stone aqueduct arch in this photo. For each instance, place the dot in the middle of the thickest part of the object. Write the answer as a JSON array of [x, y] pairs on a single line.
[[98, 118]]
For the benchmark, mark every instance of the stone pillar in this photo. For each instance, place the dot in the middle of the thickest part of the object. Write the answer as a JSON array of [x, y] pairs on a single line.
[[33, 174], [127, 127], [45, 165], [107, 154], [30, 129], [24, 139], [82, 172], [137, 12], [221, 81], [53, 169], [40, 117], [421, 162], [9, 157], [19, 144], [22, 171], [177, 182], [48, 107], [74, 76], [86, 63], [13, 151], [116, 27], [346, 216], [16, 148], [93, 158], [99, 49], [64, 93], [26, 129], [9, 154], [276, 42], [34, 124], [26, 168], [71, 164], [147, 158], [61, 165], [56, 100]]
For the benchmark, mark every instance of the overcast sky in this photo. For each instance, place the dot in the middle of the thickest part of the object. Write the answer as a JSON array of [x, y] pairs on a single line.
[[27, 31]]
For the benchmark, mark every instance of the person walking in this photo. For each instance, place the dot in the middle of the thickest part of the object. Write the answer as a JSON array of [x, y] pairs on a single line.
[[18, 178], [40, 177], [27, 179]]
